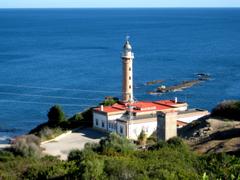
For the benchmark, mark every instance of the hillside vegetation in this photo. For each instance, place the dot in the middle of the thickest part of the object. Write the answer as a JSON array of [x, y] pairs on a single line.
[[227, 109], [117, 158], [58, 123]]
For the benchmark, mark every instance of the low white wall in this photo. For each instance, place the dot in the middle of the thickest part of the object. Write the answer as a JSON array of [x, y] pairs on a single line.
[[58, 137], [135, 129], [189, 119]]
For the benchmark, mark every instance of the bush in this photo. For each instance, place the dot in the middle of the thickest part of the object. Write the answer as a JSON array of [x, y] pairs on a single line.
[[75, 155], [227, 109], [47, 133], [115, 144], [127, 168], [48, 167], [37, 129], [220, 166], [176, 142], [108, 101], [27, 146], [6, 156], [152, 139], [87, 163]]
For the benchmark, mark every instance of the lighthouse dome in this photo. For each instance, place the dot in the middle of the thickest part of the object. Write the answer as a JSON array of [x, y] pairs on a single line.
[[127, 46]]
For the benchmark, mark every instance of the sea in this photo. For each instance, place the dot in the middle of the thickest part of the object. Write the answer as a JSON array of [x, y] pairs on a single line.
[[72, 57]]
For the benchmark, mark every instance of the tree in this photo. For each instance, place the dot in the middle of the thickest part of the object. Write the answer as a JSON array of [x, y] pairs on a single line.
[[55, 115], [109, 101]]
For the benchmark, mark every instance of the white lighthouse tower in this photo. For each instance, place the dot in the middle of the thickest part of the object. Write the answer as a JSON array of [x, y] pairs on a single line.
[[127, 61]]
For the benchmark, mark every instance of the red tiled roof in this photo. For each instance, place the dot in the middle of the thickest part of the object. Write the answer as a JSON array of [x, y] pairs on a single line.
[[140, 106], [166, 102], [180, 123], [114, 108]]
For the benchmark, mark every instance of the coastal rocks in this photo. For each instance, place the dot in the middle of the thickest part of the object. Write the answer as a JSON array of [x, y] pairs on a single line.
[[183, 85], [154, 82], [201, 77]]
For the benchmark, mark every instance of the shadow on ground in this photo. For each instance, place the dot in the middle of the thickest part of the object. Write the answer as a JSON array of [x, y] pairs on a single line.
[[91, 133]]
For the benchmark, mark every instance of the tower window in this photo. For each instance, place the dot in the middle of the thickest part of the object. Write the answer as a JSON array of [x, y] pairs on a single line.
[[130, 86], [130, 69], [130, 78]]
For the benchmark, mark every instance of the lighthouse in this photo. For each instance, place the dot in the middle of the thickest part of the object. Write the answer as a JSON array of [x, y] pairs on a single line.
[[127, 80]]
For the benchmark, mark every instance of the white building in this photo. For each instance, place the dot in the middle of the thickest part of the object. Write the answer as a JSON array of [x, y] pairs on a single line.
[[129, 118]]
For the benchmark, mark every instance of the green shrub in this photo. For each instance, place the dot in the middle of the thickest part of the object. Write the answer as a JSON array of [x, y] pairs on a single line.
[[176, 142], [75, 155], [27, 146], [37, 129], [76, 121], [49, 167], [108, 101], [115, 144], [124, 168], [227, 109], [220, 166], [6, 156], [152, 139], [93, 169], [49, 133], [142, 138]]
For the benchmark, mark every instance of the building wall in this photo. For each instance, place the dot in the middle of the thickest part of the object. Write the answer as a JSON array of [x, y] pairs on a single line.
[[105, 122], [135, 129], [112, 124], [121, 128], [181, 108], [100, 121], [166, 125]]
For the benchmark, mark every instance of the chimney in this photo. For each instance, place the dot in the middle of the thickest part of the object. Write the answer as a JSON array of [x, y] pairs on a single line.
[[101, 107], [176, 100]]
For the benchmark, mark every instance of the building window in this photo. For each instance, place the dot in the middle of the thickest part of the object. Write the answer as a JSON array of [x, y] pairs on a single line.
[[103, 124], [130, 69], [130, 78], [121, 129], [110, 125], [96, 122], [130, 87]]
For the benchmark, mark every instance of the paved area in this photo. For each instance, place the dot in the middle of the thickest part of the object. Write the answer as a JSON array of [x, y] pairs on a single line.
[[3, 146], [75, 140]]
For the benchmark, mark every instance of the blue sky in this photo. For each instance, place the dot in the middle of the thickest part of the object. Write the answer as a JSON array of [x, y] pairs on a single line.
[[114, 3]]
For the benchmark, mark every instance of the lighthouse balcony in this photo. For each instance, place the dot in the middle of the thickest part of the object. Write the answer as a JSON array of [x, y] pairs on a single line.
[[128, 55]]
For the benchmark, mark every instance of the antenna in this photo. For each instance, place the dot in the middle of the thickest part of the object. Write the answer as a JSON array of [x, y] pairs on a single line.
[[127, 37]]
